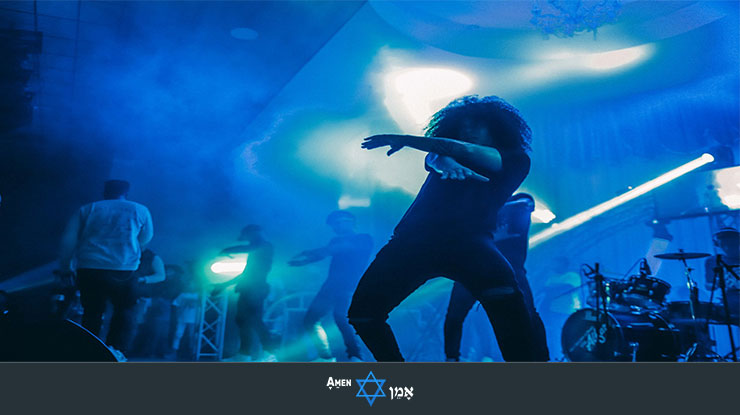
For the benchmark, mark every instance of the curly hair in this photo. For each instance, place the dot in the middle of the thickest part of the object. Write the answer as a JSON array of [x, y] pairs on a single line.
[[512, 132]]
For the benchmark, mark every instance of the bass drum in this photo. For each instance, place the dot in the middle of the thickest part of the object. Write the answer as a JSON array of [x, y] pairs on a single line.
[[617, 336]]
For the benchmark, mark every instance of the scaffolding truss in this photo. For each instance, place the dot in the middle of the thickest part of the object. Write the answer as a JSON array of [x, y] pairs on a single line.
[[212, 326]]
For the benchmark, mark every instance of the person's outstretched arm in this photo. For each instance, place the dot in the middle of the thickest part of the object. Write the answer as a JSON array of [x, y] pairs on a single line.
[[449, 169], [314, 255], [483, 159], [309, 256], [238, 249]]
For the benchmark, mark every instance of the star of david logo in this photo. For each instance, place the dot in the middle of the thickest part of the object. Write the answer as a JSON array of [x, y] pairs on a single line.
[[362, 393]]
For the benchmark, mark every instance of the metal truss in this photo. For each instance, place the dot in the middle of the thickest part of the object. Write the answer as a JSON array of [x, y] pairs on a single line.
[[212, 326]]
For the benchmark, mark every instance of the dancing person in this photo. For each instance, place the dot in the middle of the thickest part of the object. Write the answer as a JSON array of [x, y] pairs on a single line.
[[150, 272], [105, 238], [512, 240], [185, 310], [350, 253], [252, 287], [448, 229]]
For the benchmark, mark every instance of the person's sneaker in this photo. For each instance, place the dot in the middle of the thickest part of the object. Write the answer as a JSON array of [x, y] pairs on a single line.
[[118, 354]]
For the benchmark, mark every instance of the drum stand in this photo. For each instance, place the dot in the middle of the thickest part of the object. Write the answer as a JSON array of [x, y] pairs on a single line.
[[601, 297], [719, 274], [602, 306], [693, 299]]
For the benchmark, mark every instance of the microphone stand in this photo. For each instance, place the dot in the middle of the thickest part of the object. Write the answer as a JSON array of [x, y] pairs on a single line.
[[601, 297], [720, 272]]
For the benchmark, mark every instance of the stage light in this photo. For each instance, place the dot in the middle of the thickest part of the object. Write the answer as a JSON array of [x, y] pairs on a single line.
[[347, 201], [616, 58], [561, 64], [581, 218], [727, 183], [542, 215], [413, 95], [224, 269]]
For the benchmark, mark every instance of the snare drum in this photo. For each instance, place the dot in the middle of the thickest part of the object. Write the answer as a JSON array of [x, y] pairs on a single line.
[[589, 336], [644, 292]]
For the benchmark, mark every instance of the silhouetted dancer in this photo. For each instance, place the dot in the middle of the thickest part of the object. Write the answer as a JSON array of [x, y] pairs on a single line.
[[448, 230], [350, 253], [512, 240], [252, 287]]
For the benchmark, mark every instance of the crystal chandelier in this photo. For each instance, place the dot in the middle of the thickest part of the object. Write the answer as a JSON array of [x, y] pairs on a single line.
[[569, 17]]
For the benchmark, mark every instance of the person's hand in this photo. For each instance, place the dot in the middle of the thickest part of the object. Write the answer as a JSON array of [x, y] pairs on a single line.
[[396, 142], [449, 169]]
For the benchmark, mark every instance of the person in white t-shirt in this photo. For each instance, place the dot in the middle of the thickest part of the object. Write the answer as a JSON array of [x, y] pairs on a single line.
[[103, 243]]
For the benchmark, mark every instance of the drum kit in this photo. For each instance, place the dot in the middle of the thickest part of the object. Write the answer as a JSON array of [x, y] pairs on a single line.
[[630, 319]]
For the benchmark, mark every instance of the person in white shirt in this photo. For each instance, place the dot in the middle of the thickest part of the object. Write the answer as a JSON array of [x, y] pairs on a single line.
[[103, 243]]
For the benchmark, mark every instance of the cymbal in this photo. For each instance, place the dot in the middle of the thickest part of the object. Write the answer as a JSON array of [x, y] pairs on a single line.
[[682, 255]]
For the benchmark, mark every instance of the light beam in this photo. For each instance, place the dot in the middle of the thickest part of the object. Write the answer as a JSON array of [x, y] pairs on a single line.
[[586, 215]]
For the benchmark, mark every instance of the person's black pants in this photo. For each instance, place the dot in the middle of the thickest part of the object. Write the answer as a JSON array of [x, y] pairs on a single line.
[[461, 301], [249, 315], [337, 302], [404, 264], [97, 287]]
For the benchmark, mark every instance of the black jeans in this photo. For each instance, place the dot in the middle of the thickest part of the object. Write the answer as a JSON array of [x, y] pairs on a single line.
[[337, 302], [249, 315], [97, 287], [461, 301], [404, 264]]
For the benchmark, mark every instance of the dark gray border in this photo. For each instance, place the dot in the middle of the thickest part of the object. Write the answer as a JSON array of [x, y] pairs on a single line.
[[517, 388]]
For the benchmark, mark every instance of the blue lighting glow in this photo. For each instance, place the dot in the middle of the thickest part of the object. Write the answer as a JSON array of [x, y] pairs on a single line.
[[224, 269], [727, 183], [413, 95], [581, 218], [542, 215], [347, 201], [616, 58]]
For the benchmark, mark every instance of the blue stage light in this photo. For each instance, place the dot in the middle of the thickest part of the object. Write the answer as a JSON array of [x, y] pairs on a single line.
[[346, 202], [412, 95], [616, 58], [224, 269], [581, 218], [727, 183]]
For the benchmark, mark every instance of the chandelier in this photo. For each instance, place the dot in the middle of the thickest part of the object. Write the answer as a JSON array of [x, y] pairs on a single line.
[[569, 17]]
